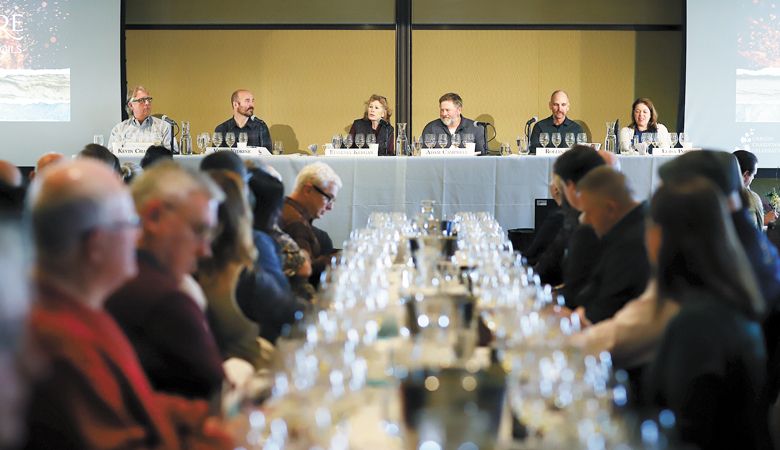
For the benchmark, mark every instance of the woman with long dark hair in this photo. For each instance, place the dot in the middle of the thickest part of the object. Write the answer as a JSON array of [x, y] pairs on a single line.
[[710, 366]]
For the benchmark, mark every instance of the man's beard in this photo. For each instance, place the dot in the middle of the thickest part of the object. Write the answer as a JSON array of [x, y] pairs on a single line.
[[448, 121], [249, 112]]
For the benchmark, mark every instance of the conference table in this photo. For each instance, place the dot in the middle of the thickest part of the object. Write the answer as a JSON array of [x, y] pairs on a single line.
[[504, 186]]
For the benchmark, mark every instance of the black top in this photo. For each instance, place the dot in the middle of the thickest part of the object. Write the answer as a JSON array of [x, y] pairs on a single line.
[[709, 370], [544, 236], [466, 126], [547, 126], [256, 130], [548, 263], [384, 135], [583, 251], [622, 271]]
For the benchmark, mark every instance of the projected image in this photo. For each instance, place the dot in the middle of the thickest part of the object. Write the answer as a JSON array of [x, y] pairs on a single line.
[[758, 62], [34, 77]]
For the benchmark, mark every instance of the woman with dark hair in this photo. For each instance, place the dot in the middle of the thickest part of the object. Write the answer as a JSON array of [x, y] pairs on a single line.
[[97, 151], [264, 293], [644, 119], [376, 121], [232, 251], [710, 366]]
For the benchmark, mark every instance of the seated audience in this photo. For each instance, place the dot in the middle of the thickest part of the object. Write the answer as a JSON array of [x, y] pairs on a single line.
[[130, 171], [376, 121], [644, 119], [154, 154], [748, 166], [12, 190], [618, 220], [94, 394], [545, 254], [178, 212], [264, 293], [582, 248], [710, 365], [232, 251], [44, 161], [315, 192], [97, 151]]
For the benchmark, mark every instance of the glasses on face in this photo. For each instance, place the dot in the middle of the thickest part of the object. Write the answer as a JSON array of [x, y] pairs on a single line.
[[147, 100], [201, 230], [329, 197]]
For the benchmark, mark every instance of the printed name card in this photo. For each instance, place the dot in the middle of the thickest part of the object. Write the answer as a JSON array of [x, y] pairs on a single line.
[[372, 150], [241, 151], [452, 151], [551, 150], [133, 148]]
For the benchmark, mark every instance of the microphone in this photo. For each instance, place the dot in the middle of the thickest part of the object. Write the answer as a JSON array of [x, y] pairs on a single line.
[[482, 124], [531, 120]]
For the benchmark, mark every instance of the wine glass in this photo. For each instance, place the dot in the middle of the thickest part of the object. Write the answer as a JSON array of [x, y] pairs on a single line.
[[635, 141], [556, 139], [544, 139], [522, 145], [443, 140], [216, 139], [569, 138], [97, 139], [582, 138], [683, 138], [230, 139], [202, 142], [360, 139], [430, 140], [456, 140], [278, 147], [416, 146], [336, 141], [243, 138], [347, 141], [505, 151], [370, 139], [673, 138]]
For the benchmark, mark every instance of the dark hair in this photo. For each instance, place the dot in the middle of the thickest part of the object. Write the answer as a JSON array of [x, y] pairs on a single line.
[[97, 151], [573, 164], [233, 239], [154, 154], [699, 247], [225, 160], [652, 123], [719, 167], [269, 196], [452, 97], [747, 161]]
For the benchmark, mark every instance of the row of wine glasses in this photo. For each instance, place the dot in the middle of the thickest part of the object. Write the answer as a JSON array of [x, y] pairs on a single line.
[[444, 140], [359, 139], [568, 138]]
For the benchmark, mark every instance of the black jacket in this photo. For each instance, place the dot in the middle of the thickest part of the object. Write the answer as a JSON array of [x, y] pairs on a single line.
[[384, 135]]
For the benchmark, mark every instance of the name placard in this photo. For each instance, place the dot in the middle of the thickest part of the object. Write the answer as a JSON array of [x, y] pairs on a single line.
[[452, 151], [667, 151], [372, 150], [241, 151], [133, 148], [551, 150]]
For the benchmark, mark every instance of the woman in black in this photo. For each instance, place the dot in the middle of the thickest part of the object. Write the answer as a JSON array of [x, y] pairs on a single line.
[[376, 121], [709, 369]]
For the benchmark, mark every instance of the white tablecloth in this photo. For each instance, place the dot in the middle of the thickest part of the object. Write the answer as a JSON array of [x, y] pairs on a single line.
[[504, 186]]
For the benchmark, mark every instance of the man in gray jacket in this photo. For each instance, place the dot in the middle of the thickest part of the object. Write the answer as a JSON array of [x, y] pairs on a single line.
[[451, 122]]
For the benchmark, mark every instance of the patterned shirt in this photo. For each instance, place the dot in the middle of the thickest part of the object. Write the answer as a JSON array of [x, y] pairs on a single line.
[[151, 129]]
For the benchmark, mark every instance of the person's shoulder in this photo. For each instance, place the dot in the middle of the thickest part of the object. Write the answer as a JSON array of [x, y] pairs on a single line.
[[432, 123], [661, 128], [223, 126]]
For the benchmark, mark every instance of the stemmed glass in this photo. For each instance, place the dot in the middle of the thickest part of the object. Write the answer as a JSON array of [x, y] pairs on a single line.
[[505, 150], [456, 140], [230, 139], [673, 137], [216, 139], [243, 138], [416, 146], [278, 147], [347, 141], [202, 142], [468, 138], [370, 139], [683, 138], [443, 140], [647, 140], [336, 141], [360, 139], [522, 145], [556, 139], [636, 144], [544, 139], [582, 138], [569, 138], [430, 140]]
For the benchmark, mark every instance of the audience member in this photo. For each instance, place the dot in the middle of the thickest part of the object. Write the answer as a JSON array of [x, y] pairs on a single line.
[[12, 190], [178, 212], [264, 293], [130, 171], [97, 151], [95, 394], [451, 122], [709, 368], [155, 153], [545, 254], [316, 188], [141, 126], [748, 166], [618, 220], [44, 161], [376, 121], [582, 247], [558, 122], [232, 251], [225, 160], [245, 121]]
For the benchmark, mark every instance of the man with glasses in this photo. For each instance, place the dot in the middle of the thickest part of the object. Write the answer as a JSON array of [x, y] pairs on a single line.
[[316, 188], [141, 127], [178, 212], [245, 121]]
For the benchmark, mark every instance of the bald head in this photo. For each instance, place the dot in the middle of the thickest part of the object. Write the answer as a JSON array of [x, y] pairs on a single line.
[[10, 174], [44, 161], [605, 198], [559, 106]]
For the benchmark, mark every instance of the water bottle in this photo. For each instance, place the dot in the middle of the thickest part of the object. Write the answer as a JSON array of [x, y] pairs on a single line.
[[185, 144]]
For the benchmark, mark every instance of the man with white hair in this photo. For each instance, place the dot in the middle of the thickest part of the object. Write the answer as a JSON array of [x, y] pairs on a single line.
[[94, 393], [316, 189], [178, 213], [141, 126]]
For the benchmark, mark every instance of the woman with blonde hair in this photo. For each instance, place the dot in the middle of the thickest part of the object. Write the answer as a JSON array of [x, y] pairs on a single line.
[[376, 121]]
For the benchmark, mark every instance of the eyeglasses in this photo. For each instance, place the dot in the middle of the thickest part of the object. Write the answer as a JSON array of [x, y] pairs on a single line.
[[202, 231], [330, 198], [141, 100], [132, 222]]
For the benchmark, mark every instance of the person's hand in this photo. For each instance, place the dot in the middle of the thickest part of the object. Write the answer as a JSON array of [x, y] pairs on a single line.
[[770, 217]]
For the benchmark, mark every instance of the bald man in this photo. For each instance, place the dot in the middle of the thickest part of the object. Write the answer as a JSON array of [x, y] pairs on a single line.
[[95, 393], [558, 122], [244, 121], [44, 161]]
